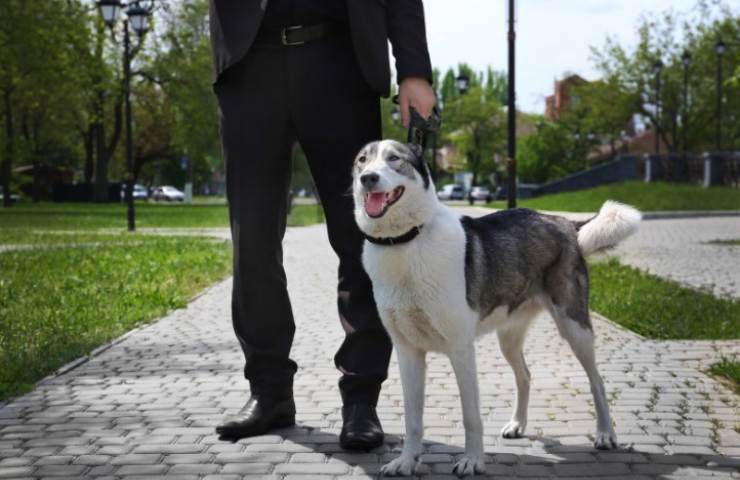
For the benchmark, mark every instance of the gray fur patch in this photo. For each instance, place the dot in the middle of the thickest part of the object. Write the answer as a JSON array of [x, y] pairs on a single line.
[[513, 255]]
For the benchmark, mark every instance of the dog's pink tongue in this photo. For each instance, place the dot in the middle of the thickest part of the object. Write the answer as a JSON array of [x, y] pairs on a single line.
[[374, 203]]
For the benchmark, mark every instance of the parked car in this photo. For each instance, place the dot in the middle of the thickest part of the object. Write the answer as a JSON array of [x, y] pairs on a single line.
[[168, 193], [480, 193], [451, 192], [13, 197], [140, 192]]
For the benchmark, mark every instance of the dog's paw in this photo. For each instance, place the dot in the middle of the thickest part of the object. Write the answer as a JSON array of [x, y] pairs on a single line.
[[606, 440], [402, 466], [469, 465], [513, 429]]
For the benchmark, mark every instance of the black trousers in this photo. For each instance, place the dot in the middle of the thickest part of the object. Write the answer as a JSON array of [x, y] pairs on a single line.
[[314, 94]]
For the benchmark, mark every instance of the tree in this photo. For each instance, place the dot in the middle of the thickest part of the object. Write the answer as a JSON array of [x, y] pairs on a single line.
[[549, 153], [474, 123], [665, 38], [39, 84], [180, 64]]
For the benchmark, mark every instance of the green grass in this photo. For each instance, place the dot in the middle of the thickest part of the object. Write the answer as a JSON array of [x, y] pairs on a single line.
[[728, 369], [86, 280], [648, 197], [17, 221], [59, 304], [731, 242], [658, 308]]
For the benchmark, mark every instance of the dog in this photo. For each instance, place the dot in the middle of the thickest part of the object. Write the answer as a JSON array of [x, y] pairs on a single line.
[[441, 279]]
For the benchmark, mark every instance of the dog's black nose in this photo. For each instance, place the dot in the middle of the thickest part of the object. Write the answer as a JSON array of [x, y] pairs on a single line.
[[369, 180]]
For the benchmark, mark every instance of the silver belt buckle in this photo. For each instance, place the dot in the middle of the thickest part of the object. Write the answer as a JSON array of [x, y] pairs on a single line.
[[284, 35]]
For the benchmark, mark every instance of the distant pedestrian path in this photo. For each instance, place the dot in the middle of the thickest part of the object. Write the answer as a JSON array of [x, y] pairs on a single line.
[[145, 407], [680, 249]]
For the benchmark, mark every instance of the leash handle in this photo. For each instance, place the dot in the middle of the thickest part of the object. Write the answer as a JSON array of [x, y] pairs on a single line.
[[421, 129]]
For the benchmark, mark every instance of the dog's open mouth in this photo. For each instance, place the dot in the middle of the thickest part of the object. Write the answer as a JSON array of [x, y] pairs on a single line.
[[377, 203]]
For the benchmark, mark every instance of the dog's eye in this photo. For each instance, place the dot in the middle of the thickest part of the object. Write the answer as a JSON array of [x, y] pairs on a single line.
[[394, 158], [362, 159]]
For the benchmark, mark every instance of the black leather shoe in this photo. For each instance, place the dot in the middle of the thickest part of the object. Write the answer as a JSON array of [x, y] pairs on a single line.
[[258, 416], [361, 429]]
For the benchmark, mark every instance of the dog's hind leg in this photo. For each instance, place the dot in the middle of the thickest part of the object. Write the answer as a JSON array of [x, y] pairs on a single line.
[[463, 363], [580, 336], [567, 284], [412, 364], [511, 341]]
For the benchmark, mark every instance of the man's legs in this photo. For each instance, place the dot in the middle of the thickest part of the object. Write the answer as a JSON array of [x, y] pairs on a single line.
[[335, 114], [257, 138]]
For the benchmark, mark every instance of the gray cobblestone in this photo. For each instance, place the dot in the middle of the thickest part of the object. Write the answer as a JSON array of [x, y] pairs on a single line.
[[146, 406]]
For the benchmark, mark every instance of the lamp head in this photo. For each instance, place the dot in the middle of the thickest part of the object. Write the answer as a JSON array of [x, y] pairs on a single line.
[[109, 10]]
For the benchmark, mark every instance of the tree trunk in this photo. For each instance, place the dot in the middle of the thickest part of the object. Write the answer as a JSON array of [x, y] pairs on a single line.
[[30, 140], [88, 139], [101, 168], [9, 150]]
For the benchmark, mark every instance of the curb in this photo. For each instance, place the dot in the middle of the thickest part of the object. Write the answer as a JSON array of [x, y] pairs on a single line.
[[690, 214]]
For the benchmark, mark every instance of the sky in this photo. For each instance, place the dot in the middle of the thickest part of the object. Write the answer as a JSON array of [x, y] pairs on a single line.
[[553, 37]]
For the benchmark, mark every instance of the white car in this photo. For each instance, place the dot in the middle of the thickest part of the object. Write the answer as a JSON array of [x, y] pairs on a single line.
[[168, 193], [140, 192], [481, 193], [451, 192]]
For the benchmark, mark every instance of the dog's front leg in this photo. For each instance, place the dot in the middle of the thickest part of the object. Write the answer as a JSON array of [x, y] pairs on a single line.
[[412, 364], [463, 363]]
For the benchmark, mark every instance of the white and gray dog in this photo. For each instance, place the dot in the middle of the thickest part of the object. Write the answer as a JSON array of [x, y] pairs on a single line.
[[441, 279]]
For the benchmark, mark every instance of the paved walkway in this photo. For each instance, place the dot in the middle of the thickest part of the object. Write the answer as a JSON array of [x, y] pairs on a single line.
[[146, 406]]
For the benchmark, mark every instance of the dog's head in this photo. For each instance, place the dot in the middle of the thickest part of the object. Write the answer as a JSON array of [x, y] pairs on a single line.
[[392, 188]]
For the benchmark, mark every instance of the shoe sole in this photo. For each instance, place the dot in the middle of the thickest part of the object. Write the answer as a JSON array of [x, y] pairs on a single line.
[[236, 432], [360, 446]]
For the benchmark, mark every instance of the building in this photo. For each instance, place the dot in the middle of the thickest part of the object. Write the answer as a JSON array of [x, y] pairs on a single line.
[[563, 97]]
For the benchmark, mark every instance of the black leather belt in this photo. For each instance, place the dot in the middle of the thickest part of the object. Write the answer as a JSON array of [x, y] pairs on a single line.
[[298, 34]]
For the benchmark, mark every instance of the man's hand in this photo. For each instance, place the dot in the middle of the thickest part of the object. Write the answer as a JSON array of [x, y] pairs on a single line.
[[417, 93]]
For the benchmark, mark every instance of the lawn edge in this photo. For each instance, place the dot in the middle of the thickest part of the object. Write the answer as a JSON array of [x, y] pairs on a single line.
[[622, 328], [97, 351]]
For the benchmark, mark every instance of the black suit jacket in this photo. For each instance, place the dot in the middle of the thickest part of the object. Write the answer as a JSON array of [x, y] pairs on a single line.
[[234, 26]]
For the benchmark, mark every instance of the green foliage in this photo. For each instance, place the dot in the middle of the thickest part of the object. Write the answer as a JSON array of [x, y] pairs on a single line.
[[52, 311], [632, 73], [547, 154], [647, 197], [77, 217], [474, 123], [658, 308], [180, 62], [42, 81], [728, 369], [605, 108]]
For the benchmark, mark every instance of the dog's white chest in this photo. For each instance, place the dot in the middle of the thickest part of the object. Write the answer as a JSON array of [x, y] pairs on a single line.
[[414, 326], [420, 288]]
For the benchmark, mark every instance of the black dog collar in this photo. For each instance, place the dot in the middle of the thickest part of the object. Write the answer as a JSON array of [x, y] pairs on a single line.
[[405, 238]]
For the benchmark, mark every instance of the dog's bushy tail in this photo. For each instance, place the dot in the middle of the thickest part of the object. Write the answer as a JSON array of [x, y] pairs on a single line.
[[614, 222]]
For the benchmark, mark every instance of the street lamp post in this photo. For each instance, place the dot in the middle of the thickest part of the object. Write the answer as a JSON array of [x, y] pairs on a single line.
[[511, 160], [462, 82], [137, 18], [658, 68], [686, 60], [719, 49]]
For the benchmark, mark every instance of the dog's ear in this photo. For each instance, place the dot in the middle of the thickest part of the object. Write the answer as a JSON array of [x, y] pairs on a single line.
[[416, 150], [419, 163]]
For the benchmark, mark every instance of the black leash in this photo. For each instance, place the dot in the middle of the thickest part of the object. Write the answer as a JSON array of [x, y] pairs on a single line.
[[421, 129]]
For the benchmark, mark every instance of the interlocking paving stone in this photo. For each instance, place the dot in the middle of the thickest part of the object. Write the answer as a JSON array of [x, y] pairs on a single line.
[[146, 406]]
